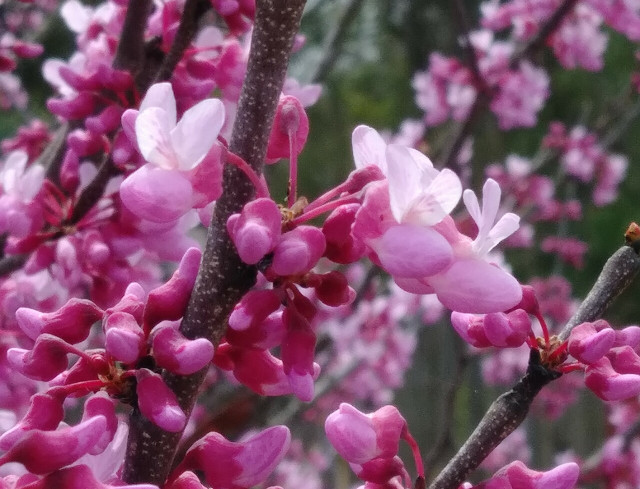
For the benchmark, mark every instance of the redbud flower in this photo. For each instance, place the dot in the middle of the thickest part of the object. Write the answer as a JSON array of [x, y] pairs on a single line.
[[79, 477], [517, 476], [42, 452], [72, 322], [255, 230], [178, 354], [290, 129], [157, 402], [298, 251], [588, 344], [237, 465], [494, 329], [360, 438], [615, 376], [124, 338]]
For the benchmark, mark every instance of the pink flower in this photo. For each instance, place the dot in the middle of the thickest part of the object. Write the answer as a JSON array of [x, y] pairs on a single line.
[[360, 438], [517, 476], [239, 465], [588, 342], [157, 402]]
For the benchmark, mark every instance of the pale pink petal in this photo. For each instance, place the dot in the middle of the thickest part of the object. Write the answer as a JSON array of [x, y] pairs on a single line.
[[368, 148], [156, 194], [403, 175], [161, 95], [475, 286], [564, 476], [154, 140], [437, 200], [196, 132], [412, 252]]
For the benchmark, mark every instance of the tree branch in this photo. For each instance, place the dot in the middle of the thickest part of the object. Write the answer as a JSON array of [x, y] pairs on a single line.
[[130, 52], [223, 279], [510, 409], [193, 11]]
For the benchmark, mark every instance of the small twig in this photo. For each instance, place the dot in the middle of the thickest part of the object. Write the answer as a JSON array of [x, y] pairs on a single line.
[[92, 193], [130, 53], [464, 27], [450, 157], [11, 263], [52, 156], [193, 11], [335, 40]]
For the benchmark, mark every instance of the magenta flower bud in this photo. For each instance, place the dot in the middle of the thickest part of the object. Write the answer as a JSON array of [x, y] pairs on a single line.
[[255, 230], [380, 470], [253, 308], [132, 302], [239, 465], [264, 335], [341, 246], [169, 301], [258, 370], [290, 129], [85, 143], [628, 336], [78, 107], [529, 300], [588, 345], [517, 475], [186, 480], [298, 346], [24, 49], [178, 354], [105, 122], [112, 79], [158, 403], [47, 359], [470, 327], [333, 289], [360, 438], [298, 251], [101, 405], [610, 385], [80, 477], [124, 338], [42, 452], [507, 330], [72, 322], [69, 176], [45, 413], [77, 81]]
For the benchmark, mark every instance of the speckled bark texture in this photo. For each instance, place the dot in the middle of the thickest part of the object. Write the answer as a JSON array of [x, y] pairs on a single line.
[[223, 278]]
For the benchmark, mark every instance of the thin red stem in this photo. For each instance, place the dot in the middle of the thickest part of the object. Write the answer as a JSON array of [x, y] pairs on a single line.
[[545, 329], [261, 189], [415, 449], [293, 171], [319, 210]]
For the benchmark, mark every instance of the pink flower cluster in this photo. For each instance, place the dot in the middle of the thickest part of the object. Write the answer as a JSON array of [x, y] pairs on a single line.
[[583, 158]]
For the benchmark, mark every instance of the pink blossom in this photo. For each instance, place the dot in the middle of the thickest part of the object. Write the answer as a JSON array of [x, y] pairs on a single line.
[[517, 476], [255, 231], [241, 464], [157, 402], [588, 342], [178, 354]]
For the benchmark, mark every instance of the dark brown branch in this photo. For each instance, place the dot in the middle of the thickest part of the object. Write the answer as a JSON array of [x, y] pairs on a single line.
[[11, 263], [504, 415], [193, 11], [336, 39], [450, 156], [616, 275], [223, 278], [52, 156], [93, 192], [130, 52], [510, 409]]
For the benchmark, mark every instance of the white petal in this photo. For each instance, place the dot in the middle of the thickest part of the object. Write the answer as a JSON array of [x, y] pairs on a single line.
[[76, 16], [505, 227], [472, 205], [31, 182], [368, 148], [437, 201], [161, 95], [197, 131], [490, 202], [152, 134], [403, 175], [428, 172], [12, 172]]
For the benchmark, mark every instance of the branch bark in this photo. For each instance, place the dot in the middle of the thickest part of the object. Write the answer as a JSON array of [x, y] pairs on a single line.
[[511, 408], [223, 278]]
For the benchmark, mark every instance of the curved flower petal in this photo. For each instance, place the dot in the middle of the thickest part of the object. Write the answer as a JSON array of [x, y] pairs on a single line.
[[153, 135]]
